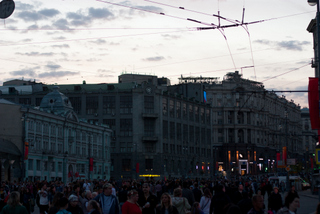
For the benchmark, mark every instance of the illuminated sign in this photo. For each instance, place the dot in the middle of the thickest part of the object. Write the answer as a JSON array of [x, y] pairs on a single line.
[[149, 175]]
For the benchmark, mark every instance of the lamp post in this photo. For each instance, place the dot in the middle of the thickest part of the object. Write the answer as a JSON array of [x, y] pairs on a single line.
[[287, 151]]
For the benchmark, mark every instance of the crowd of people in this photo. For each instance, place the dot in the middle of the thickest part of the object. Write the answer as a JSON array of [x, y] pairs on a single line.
[[169, 196]]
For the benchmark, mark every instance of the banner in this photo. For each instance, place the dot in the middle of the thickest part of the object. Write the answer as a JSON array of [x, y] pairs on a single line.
[[90, 164], [26, 150], [313, 98], [284, 155], [137, 168]]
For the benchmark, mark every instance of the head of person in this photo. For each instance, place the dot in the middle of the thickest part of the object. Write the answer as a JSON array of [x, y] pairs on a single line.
[[177, 192], [73, 200], [207, 193], [94, 194], [93, 205], [14, 199], [292, 201], [166, 199], [63, 203], [76, 188], [293, 188], [88, 194], [318, 209], [275, 190], [56, 198], [44, 187], [145, 188], [195, 207], [133, 195], [257, 202], [240, 187], [107, 189]]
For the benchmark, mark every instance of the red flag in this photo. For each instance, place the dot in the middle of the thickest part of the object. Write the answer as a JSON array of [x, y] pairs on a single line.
[[311, 161], [137, 167], [26, 150], [284, 155], [90, 164], [77, 174], [70, 174], [313, 98]]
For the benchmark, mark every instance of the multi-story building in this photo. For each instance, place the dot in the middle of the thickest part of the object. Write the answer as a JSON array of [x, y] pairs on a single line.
[[52, 142], [195, 128]]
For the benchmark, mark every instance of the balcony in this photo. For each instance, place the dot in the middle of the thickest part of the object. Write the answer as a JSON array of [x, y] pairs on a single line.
[[150, 115], [150, 138]]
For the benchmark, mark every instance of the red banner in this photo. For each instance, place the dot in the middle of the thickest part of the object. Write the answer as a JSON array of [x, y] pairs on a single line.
[[311, 162], [26, 150], [313, 98], [90, 164], [284, 155], [137, 168]]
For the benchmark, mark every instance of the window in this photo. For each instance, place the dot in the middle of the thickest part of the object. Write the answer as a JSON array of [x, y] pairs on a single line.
[[172, 130], [30, 164], [148, 104], [125, 104], [203, 135], [109, 105], [38, 165], [196, 113], [208, 137], [92, 105], [38, 101], [191, 134], [52, 166], [31, 125], [165, 129], [202, 115], [164, 106], [179, 133], [25, 101], [45, 165], [126, 165], [149, 164], [185, 132], [184, 111], [207, 116], [171, 108], [149, 127], [178, 109], [123, 147], [125, 127], [76, 104], [59, 166], [191, 112]]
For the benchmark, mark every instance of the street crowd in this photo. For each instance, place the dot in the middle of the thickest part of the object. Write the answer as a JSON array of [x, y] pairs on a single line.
[[168, 196]]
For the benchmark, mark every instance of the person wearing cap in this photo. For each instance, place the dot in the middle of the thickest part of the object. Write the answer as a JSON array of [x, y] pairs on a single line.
[[275, 200], [108, 203], [74, 208]]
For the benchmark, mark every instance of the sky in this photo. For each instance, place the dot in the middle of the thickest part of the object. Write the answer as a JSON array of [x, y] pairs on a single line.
[[68, 41]]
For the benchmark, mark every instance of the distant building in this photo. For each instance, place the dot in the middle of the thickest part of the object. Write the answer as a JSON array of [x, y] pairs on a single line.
[[52, 142], [193, 129]]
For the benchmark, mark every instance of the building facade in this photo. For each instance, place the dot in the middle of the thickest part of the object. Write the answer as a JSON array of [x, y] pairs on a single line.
[[53, 144], [197, 128]]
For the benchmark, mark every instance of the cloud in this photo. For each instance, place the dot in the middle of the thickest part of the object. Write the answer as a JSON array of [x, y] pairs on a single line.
[[100, 13], [33, 27], [25, 72], [168, 36], [29, 16], [57, 74], [23, 6], [52, 66], [61, 46], [288, 45], [99, 41], [61, 24], [49, 12], [151, 8], [36, 54], [156, 58]]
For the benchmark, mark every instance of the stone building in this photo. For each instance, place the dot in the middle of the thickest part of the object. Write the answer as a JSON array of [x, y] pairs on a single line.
[[52, 142], [197, 128]]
